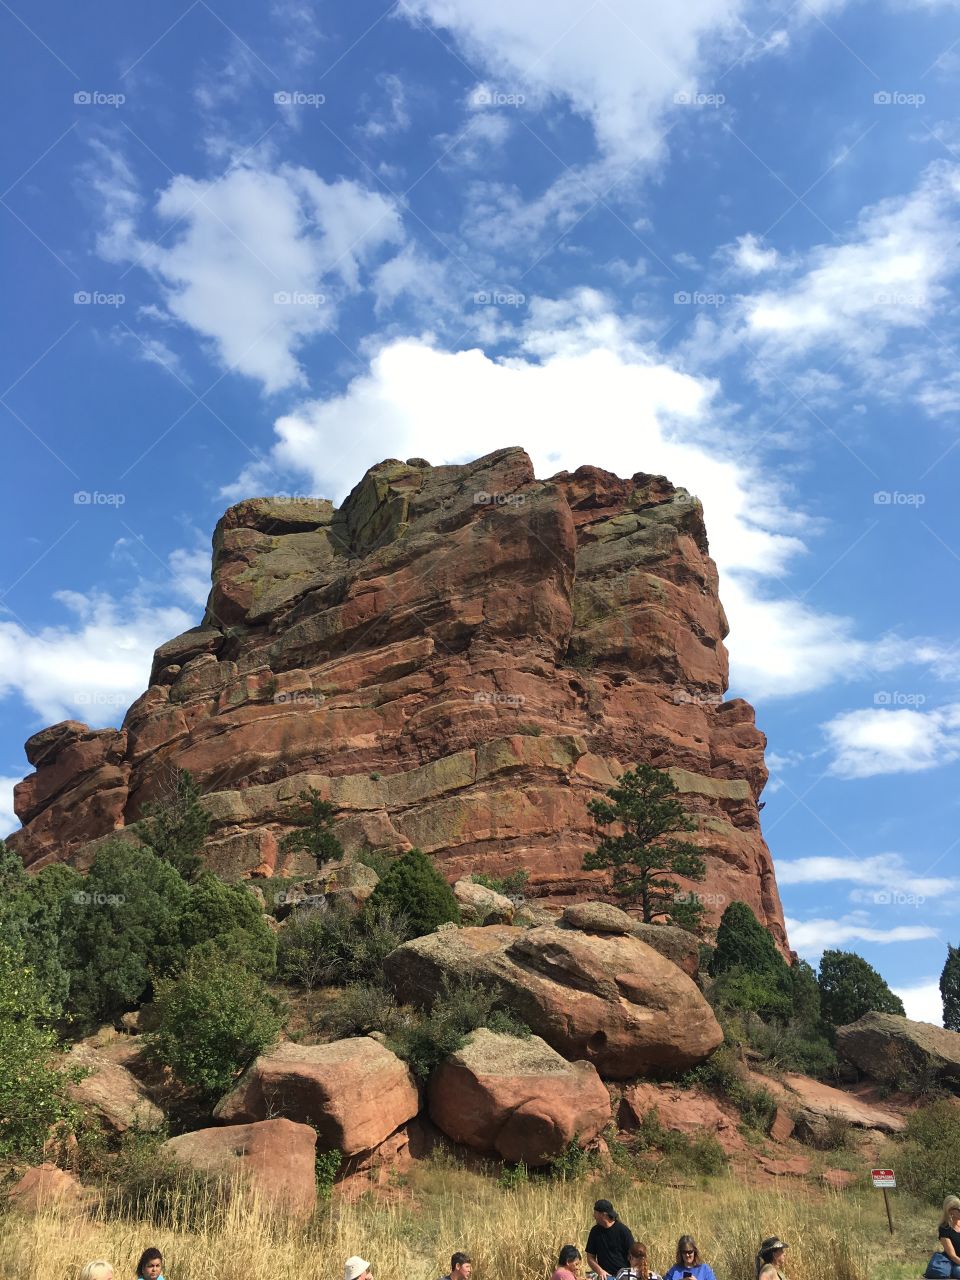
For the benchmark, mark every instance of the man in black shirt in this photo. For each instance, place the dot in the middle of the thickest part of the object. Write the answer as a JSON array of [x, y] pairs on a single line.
[[609, 1241]]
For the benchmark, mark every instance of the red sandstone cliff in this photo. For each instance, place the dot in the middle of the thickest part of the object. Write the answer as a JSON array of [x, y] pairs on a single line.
[[459, 657]]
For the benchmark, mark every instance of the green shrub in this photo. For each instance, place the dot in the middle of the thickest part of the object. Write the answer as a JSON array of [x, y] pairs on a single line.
[[215, 1017], [228, 917], [850, 987], [513, 1177], [33, 918], [462, 1005], [378, 860], [572, 1164], [361, 1008], [702, 1155], [328, 1166], [928, 1159], [511, 886], [315, 833], [723, 1076], [414, 888], [339, 944], [176, 825]]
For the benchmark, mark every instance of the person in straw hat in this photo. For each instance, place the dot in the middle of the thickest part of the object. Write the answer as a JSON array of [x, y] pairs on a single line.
[[770, 1259], [356, 1269]]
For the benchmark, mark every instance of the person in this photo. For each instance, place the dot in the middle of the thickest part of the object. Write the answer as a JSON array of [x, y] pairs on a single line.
[[770, 1259], [356, 1269], [568, 1264], [150, 1266], [638, 1264], [99, 1269], [689, 1262], [609, 1241], [946, 1263], [461, 1267]]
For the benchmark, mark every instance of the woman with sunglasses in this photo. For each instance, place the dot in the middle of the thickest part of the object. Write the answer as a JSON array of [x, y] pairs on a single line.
[[689, 1263]]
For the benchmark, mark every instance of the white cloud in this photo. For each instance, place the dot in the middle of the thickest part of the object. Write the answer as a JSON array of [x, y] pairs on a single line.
[[878, 741], [392, 118], [8, 819], [890, 881], [751, 257], [922, 1002], [811, 937]]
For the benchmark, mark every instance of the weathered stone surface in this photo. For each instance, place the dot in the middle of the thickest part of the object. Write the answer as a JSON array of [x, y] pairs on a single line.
[[479, 905], [276, 1158], [516, 1098], [459, 657], [894, 1050], [355, 1093], [811, 1105], [43, 1187], [782, 1125], [684, 1110], [112, 1092], [676, 944], [598, 917], [611, 1000]]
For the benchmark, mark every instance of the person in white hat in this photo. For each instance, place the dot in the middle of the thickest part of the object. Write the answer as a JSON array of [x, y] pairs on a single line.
[[356, 1269]]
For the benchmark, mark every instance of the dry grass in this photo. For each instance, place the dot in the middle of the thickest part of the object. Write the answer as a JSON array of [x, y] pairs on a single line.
[[513, 1235]]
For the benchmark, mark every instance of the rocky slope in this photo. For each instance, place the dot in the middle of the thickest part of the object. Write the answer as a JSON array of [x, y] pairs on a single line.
[[460, 657]]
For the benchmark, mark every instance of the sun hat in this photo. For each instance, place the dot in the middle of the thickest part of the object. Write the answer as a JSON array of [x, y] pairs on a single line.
[[771, 1243], [354, 1268]]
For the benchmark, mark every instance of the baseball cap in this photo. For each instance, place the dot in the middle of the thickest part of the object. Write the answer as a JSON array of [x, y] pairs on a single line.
[[354, 1268], [604, 1206]]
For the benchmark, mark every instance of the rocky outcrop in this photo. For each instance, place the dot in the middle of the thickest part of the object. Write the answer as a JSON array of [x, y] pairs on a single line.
[[460, 658], [518, 1099], [354, 1093], [899, 1052], [479, 905], [686, 1111], [814, 1105], [678, 945], [112, 1093], [276, 1159], [610, 1000], [45, 1187]]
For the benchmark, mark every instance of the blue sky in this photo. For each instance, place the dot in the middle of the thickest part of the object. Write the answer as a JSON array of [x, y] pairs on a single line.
[[255, 249]]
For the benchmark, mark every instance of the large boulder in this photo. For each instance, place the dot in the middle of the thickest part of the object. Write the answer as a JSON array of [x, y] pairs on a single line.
[[276, 1158], [44, 1187], [815, 1104], [611, 1000], [516, 1098], [479, 905], [897, 1051], [676, 944], [355, 1093], [112, 1092], [686, 1111]]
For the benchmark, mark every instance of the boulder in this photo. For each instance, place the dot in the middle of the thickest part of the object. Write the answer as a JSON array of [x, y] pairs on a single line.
[[678, 945], [146, 1018], [515, 1098], [598, 917], [898, 1051], [479, 905], [111, 1091], [353, 882], [276, 1158], [811, 1104], [355, 1093], [611, 1000], [683, 1110], [44, 1186], [782, 1125]]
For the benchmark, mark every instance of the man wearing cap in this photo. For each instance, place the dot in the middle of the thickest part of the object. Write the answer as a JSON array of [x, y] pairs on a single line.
[[356, 1269], [609, 1241], [461, 1267], [770, 1259]]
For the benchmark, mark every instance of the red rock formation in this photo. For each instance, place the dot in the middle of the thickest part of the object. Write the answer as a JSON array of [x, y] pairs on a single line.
[[460, 657]]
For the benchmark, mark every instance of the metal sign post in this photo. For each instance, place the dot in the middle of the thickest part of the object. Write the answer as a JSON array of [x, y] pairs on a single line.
[[884, 1179]]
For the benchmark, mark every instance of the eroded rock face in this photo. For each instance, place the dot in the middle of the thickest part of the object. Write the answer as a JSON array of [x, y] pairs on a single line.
[[610, 1000], [43, 1187], [459, 657], [683, 1110], [518, 1099], [895, 1050], [112, 1092]]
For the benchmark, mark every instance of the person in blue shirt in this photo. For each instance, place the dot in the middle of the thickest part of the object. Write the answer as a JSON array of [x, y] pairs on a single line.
[[689, 1263], [150, 1266]]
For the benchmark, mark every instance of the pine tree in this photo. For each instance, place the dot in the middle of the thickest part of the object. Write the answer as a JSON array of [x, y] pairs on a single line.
[[416, 889], [315, 834], [850, 987], [643, 859], [950, 989], [176, 825]]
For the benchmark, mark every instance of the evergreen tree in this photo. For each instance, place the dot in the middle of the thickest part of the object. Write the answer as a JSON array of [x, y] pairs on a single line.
[[850, 987], [643, 860], [176, 825], [315, 834], [414, 888], [751, 973], [228, 919], [950, 989]]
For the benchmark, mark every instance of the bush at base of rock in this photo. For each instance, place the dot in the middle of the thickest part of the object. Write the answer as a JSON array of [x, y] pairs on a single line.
[[415, 888], [213, 1019], [928, 1159], [339, 943]]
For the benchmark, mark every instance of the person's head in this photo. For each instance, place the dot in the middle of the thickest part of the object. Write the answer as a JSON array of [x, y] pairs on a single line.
[[951, 1209], [150, 1265], [461, 1266], [569, 1256], [638, 1259], [771, 1253], [356, 1269], [99, 1269], [688, 1255], [604, 1213]]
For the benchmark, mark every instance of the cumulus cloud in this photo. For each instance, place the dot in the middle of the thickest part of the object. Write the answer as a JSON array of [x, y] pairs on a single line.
[[879, 740], [8, 819], [922, 1002], [750, 256], [812, 937], [885, 877]]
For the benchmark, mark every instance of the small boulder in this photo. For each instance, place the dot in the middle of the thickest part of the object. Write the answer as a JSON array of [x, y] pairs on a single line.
[[355, 1093], [277, 1158], [516, 1098], [43, 1186], [111, 1091], [782, 1125], [479, 905], [598, 917], [353, 882], [896, 1050], [146, 1018]]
